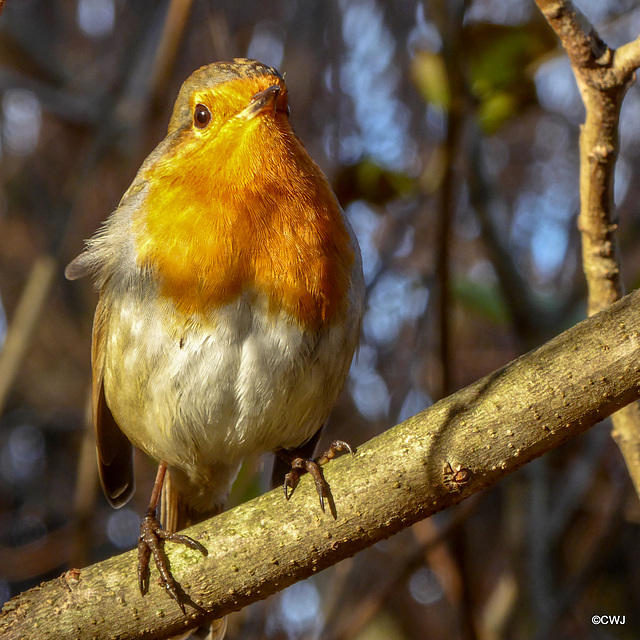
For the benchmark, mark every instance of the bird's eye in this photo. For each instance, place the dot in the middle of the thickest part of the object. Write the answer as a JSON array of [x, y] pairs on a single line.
[[201, 116]]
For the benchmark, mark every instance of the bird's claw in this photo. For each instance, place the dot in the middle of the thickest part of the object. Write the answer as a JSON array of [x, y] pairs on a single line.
[[313, 467], [151, 541]]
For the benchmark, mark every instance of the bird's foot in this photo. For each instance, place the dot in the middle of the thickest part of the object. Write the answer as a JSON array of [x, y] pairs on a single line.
[[313, 467], [151, 541]]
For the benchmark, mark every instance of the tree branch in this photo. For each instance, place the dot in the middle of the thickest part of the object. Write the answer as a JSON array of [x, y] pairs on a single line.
[[603, 76], [456, 448], [627, 57]]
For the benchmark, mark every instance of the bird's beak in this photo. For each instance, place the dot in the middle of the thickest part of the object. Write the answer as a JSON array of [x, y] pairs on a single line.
[[264, 101]]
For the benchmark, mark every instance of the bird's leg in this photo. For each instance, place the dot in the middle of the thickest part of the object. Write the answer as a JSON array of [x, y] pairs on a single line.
[[151, 541], [313, 466]]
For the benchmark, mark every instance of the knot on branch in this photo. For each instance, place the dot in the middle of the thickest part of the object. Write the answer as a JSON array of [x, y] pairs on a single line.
[[455, 476], [605, 77]]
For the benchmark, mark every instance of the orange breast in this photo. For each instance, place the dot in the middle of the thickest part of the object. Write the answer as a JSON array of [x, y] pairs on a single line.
[[251, 211]]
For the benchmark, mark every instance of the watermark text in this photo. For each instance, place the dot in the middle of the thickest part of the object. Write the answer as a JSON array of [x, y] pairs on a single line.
[[608, 619]]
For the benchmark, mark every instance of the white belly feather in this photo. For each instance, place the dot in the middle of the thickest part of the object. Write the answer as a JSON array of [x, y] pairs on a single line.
[[208, 393]]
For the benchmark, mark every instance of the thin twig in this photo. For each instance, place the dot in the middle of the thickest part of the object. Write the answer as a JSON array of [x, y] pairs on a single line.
[[24, 322], [450, 17], [603, 76]]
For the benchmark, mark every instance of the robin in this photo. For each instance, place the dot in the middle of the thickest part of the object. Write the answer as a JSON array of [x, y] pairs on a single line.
[[230, 303]]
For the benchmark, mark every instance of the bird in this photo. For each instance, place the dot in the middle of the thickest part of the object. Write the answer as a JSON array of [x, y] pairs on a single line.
[[231, 298]]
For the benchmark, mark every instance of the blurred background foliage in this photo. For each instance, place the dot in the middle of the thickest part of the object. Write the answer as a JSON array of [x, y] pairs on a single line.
[[449, 131]]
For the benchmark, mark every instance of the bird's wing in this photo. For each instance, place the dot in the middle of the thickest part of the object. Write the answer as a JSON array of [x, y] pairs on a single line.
[[115, 452]]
